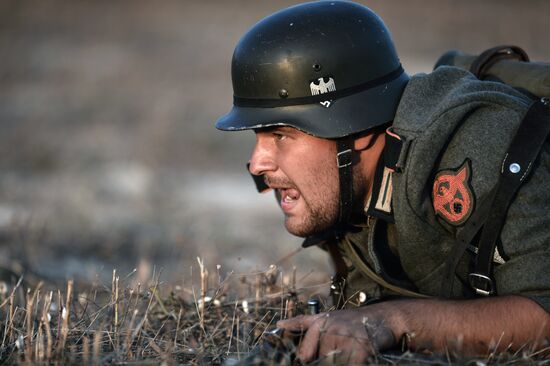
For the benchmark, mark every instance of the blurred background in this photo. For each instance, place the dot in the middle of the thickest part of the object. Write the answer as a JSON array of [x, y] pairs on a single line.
[[108, 153]]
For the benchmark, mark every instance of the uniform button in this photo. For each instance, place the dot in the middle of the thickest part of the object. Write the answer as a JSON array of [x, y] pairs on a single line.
[[362, 297], [515, 168]]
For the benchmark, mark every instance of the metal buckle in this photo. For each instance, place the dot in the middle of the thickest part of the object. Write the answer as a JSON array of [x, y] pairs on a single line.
[[344, 158], [481, 283]]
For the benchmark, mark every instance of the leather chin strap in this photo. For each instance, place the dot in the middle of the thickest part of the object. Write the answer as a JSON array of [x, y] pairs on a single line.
[[344, 161]]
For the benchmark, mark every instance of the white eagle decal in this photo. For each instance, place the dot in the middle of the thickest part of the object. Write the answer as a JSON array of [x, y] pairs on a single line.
[[322, 87]]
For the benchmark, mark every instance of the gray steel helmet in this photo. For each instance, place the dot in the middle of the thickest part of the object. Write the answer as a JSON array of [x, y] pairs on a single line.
[[328, 68]]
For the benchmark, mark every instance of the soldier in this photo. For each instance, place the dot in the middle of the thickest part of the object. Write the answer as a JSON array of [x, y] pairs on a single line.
[[427, 192]]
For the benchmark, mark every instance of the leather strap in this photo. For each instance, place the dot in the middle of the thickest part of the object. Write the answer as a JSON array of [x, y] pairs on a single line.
[[463, 238], [516, 166], [481, 65], [392, 150], [344, 161]]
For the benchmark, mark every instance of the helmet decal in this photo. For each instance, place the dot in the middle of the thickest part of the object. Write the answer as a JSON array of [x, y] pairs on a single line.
[[321, 87]]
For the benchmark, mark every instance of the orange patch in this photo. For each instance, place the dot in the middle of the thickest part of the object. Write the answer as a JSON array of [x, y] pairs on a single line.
[[452, 195]]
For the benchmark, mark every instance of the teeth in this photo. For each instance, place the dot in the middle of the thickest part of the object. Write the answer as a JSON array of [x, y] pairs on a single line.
[[288, 199]]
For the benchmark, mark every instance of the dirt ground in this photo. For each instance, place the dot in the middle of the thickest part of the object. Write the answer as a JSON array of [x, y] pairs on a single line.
[[108, 154]]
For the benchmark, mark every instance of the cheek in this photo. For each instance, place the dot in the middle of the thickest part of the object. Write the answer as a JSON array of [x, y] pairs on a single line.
[[322, 177]]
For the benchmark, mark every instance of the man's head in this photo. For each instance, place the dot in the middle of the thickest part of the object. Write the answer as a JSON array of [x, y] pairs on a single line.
[[301, 169], [328, 72]]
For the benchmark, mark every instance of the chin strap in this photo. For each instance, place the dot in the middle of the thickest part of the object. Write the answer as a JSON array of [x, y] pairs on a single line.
[[344, 161]]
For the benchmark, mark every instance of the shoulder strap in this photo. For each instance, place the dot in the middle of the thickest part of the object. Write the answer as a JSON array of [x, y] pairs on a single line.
[[463, 238], [516, 166], [490, 215]]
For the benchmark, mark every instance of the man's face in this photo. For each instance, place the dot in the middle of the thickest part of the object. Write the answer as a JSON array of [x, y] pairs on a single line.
[[302, 168]]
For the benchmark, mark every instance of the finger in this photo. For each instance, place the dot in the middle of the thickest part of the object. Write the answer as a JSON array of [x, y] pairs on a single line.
[[300, 322], [309, 346], [359, 356], [342, 350]]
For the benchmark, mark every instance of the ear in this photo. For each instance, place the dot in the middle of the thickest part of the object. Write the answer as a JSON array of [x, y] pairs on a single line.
[[364, 142]]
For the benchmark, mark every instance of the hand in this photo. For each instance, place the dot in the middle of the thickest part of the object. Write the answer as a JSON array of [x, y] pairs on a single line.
[[345, 336]]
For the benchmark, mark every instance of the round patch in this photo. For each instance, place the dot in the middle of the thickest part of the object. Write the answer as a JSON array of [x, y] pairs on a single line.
[[452, 195]]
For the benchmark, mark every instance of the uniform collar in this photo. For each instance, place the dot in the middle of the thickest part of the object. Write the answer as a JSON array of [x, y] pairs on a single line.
[[379, 204]]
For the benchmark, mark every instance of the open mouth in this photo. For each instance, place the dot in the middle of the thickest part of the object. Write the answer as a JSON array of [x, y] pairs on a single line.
[[289, 198]]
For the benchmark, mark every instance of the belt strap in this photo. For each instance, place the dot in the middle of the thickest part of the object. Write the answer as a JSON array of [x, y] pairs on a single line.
[[516, 166]]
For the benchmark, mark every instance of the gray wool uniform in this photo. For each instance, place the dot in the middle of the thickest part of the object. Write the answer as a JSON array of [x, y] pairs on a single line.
[[455, 131]]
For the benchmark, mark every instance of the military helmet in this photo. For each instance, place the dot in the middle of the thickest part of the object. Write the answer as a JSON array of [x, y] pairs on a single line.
[[328, 68]]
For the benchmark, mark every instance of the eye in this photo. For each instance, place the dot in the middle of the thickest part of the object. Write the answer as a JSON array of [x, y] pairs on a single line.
[[279, 136]]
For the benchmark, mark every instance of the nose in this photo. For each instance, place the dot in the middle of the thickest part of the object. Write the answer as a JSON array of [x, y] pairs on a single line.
[[262, 159]]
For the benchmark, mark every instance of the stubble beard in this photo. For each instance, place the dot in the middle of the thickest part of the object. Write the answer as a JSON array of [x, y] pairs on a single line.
[[324, 215], [317, 219], [321, 204]]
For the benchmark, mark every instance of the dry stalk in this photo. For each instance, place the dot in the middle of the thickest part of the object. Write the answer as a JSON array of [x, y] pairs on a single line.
[[46, 323], [86, 351], [232, 327], [204, 285], [9, 318], [29, 323], [238, 341], [116, 312], [65, 319], [12, 292], [146, 314], [114, 299], [31, 300], [96, 349], [39, 345], [177, 328], [129, 335]]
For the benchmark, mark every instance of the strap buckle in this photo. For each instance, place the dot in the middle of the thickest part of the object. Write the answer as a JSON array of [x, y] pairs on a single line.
[[344, 158], [482, 284]]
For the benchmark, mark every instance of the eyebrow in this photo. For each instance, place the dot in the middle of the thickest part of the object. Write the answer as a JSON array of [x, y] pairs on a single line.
[[278, 128]]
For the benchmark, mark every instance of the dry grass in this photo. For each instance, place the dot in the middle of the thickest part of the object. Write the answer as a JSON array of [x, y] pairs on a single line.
[[133, 323], [126, 322]]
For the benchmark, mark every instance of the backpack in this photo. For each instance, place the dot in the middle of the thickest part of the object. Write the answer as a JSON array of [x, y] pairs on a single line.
[[509, 65]]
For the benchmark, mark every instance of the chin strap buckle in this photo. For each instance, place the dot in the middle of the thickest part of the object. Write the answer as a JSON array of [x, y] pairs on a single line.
[[344, 158]]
